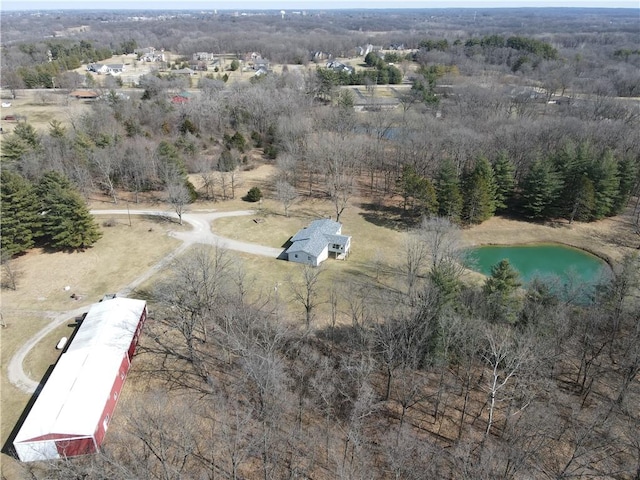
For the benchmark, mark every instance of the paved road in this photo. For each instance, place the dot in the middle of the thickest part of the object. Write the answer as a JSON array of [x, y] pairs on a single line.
[[201, 233]]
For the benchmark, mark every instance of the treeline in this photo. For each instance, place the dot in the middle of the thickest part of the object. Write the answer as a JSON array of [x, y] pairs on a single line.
[[478, 159], [55, 57], [574, 183], [384, 74], [529, 45]]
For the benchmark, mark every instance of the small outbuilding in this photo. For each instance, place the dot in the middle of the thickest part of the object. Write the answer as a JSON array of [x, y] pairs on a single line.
[[312, 244], [72, 412]]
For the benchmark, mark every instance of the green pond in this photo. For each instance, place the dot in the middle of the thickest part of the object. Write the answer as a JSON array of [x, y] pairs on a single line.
[[541, 260]]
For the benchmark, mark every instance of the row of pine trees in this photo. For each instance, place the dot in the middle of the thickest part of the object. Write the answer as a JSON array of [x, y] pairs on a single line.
[[575, 184], [50, 214]]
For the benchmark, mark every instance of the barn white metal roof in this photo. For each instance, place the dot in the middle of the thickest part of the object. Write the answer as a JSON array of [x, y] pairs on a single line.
[[73, 398]]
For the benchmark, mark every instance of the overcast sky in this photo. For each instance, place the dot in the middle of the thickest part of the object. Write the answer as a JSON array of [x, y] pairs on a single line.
[[301, 4]]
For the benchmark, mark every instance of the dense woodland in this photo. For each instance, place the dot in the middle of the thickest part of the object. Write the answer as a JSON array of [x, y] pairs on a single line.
[[527, 113]]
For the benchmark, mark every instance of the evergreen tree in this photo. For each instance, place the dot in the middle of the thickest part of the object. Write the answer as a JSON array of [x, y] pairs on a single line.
[[427, 197], [628, 175], [583, 200], [504, 176], [418, 192], [448, 192], [540, 190], [19, 221], [576, 197], [500, 289], [607, 183], [170, 163], [479, 193], [28, 134], [13, 148], [66, 221], [254, 194]]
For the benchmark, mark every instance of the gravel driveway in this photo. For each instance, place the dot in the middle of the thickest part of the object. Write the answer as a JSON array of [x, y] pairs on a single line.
[[201, 233]]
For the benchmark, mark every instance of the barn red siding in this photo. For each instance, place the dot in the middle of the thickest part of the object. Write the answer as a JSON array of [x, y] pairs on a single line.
[[112, 401], [77, 446], [136, 336]]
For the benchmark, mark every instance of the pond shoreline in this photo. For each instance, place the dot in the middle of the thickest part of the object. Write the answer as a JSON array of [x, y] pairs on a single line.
[[541, 260], [605, 258], [609, 239]]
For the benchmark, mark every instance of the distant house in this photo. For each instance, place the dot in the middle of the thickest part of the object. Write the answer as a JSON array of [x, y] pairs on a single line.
[[184, 71], [312, 244], [203, 56], [73, 410], [149, 54], [115, 68], [261, 64], [103, 69], [84, 94], [99, 68], [340, 67]]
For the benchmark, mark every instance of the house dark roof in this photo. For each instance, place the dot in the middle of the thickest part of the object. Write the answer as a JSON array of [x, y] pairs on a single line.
[[313, 239]]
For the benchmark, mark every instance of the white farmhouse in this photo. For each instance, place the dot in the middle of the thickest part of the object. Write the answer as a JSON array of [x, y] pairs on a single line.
[[312, 244]]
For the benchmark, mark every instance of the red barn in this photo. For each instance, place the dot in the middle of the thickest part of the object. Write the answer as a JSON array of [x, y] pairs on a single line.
[[72, 412]]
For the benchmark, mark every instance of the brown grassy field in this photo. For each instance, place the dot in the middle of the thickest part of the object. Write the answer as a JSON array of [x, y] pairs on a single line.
[[39, 108]]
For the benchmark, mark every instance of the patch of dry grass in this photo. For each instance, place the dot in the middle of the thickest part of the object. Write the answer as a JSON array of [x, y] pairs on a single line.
[[122, 254], [17, 332], [40, 108]]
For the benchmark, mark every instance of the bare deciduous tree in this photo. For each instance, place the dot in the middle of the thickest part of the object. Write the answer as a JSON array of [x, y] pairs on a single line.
[[305, 291], [286, 193], [178, 197], [505, 354], [11, 273]]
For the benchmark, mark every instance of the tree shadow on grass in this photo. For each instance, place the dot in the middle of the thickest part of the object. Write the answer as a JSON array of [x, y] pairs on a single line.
[[388, 216]]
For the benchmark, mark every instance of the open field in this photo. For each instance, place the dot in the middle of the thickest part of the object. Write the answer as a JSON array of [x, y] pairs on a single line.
[[39, 108]]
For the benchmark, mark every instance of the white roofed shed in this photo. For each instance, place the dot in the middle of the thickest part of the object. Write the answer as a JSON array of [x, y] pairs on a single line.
[[71, 414]]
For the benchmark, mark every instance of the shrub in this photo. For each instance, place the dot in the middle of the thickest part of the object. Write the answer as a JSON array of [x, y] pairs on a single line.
[[254, 195]]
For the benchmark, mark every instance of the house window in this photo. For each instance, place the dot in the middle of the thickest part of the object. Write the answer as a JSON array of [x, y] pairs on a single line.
[[295, 255], [122, 375], [309, 257], [105, 422], [115, 395]]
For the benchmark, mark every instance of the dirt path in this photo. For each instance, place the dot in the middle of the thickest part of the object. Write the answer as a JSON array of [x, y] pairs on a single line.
[[201, 233]]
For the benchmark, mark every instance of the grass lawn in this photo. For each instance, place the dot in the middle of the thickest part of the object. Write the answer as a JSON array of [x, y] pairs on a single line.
[[370, 239], [122, 254], [39, 108]]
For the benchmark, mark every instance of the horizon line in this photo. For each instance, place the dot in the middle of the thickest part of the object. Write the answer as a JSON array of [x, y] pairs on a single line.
[[314, 9]]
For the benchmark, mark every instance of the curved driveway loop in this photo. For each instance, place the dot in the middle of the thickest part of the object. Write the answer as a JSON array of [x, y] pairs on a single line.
[[201, 233]]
